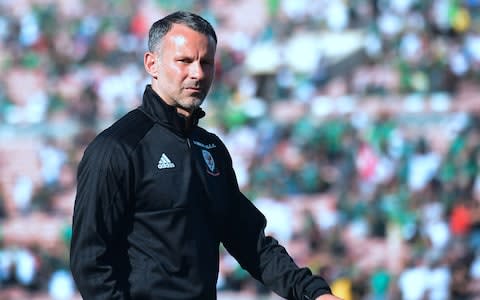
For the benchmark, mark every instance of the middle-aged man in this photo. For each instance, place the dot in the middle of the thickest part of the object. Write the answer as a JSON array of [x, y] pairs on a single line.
[[157, 194]]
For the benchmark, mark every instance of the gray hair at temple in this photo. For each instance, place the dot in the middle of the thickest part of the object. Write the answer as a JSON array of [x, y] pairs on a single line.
[[161, 27]]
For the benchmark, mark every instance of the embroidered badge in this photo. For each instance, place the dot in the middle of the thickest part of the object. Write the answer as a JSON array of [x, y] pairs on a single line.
[[211, 168]]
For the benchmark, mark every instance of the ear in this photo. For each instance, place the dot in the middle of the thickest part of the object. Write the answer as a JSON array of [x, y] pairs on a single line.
[[150, 63]]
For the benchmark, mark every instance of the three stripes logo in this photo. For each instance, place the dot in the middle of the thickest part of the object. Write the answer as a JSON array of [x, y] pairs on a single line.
[[165, 162]]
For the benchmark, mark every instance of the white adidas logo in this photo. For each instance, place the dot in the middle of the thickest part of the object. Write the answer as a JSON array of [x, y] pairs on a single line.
[[165, 162]]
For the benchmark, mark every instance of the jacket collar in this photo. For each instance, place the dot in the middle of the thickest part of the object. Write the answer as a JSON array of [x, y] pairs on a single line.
[[167, 115]]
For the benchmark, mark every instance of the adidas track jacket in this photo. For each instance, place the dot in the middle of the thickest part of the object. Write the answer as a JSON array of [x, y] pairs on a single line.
[[153, 204]]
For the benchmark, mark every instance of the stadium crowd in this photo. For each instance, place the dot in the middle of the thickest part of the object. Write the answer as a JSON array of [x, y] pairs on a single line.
[[353, 125]]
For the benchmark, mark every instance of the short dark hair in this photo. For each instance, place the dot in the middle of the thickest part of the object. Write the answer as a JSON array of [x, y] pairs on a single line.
[[161, 27]]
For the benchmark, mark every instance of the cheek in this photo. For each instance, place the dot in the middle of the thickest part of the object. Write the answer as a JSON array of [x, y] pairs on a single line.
[[211, 77], [176, 74], [167, 67]]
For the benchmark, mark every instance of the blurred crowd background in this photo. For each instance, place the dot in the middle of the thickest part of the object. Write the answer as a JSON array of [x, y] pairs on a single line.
[[353, 125]]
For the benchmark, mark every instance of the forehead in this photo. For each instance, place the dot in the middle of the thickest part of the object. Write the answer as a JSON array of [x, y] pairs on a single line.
[[182, 37]]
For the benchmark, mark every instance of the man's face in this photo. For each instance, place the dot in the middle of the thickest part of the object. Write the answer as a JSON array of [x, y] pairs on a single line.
[[185, 68]]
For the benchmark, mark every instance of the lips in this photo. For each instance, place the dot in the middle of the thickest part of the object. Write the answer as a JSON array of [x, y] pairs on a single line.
[[194, 89]]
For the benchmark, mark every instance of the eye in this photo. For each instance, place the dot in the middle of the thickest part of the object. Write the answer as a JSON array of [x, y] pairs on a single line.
[[184, 60], [207, 62]]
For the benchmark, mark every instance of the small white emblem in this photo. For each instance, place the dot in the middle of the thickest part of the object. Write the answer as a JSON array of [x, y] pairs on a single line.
[[210, 163], [209, 146], [165, 162]]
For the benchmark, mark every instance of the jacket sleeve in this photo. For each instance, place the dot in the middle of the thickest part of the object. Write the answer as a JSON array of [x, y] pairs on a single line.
[[99, 215], [262, 256]]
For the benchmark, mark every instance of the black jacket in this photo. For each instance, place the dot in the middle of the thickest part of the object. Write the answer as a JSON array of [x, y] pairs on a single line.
[[154, 201]]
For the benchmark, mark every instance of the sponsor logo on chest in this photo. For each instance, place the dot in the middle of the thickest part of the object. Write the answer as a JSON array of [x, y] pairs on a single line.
[[165, 162]]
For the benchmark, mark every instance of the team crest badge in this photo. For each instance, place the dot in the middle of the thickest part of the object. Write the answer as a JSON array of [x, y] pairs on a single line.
[[211, 168]]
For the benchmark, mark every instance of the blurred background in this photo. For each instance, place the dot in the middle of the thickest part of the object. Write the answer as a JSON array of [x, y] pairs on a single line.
[[353, 125]]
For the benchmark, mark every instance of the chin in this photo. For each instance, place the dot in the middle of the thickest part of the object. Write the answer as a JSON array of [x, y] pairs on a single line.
[[192, 103], [197, 101]]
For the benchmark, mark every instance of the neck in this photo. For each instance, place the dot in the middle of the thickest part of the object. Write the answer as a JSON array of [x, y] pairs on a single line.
[[184, 112], [187, 117]]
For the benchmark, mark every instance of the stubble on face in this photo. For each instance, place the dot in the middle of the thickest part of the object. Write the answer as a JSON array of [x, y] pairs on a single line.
[[185, 60], [180, 96]]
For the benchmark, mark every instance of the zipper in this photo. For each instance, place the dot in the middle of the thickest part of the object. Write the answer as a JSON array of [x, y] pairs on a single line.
[[188, 143]]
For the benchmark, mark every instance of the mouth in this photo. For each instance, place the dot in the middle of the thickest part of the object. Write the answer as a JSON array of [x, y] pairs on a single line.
[[193, 89]]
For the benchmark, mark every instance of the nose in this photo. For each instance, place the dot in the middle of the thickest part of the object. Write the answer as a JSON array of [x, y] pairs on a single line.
[[196, 70]]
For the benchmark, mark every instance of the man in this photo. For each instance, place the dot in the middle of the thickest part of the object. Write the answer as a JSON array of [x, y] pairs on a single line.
[[157, 194]]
